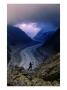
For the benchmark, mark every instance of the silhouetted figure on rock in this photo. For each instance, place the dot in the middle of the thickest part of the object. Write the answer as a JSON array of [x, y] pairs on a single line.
[[30, 66]]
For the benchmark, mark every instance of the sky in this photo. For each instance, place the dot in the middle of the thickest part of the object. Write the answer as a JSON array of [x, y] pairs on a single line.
[[32, 28], [31, 18]]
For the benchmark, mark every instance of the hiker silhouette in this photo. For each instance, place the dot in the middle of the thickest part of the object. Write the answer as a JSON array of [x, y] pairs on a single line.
[[30, 66]]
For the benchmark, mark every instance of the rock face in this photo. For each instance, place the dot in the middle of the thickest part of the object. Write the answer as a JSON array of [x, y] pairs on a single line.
[[46, 74]]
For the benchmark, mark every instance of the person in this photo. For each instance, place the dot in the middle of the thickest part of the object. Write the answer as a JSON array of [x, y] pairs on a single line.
[[30, 66]]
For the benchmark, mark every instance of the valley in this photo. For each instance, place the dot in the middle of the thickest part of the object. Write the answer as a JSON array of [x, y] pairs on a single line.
[[44, 57]]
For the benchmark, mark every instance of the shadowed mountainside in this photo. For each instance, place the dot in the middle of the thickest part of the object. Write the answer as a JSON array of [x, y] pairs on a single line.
[[16, 36], [52, 45], [42, 36]]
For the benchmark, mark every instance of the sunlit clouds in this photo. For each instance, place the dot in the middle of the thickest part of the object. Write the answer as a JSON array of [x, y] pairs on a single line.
[[31, 29], [31, 18]]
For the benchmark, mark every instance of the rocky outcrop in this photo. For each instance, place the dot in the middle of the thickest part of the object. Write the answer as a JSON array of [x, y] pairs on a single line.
[[46, 74], [50, 69]]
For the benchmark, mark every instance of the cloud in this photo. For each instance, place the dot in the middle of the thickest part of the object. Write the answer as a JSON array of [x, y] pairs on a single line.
[[17, 13], [31, 29]]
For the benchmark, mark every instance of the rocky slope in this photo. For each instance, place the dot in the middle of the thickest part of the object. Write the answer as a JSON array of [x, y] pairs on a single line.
[[46, 74]]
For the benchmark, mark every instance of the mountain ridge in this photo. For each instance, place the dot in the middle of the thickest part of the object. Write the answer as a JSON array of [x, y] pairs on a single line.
[[16, 36]]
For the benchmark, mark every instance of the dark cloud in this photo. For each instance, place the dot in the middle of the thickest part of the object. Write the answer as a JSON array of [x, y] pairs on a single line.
[[17, 13]]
